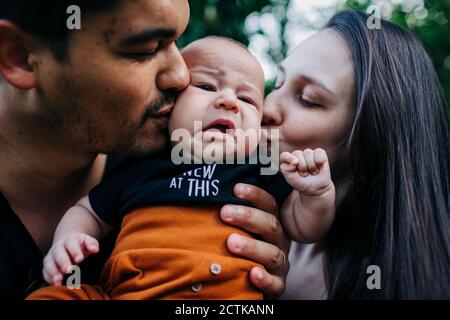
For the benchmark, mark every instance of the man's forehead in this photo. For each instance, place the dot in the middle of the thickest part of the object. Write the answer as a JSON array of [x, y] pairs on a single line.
[[135, 16]]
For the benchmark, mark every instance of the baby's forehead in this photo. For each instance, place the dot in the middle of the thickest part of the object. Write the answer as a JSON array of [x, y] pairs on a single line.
[[214, 41], [220, 55]]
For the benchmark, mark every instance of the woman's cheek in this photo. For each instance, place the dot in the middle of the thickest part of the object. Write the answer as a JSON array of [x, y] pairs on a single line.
[[297, 135]]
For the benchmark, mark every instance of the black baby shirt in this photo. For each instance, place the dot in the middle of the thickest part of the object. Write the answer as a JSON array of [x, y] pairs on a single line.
[[141, 183]]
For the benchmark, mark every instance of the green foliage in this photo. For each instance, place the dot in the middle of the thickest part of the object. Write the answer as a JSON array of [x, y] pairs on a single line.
[[220, 17], [432, 30], [227, 18]]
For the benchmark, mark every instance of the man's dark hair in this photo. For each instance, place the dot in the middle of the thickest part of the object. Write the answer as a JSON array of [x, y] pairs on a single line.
[[47, 18]]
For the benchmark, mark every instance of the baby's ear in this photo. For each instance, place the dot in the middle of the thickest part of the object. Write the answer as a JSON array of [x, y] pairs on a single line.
[[17, 62]]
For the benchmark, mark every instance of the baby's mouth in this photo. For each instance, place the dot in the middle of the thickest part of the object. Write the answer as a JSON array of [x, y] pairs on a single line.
[[221, 125], [218, 129]]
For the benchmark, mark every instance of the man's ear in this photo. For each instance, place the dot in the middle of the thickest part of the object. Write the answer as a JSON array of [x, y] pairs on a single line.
[[15, 64]]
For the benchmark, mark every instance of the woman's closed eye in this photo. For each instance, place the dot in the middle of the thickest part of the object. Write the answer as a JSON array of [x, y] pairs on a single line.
[[309, 103]]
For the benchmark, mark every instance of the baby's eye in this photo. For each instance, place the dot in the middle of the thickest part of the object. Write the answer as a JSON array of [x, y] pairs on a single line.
[[248, 100], [206, 87]]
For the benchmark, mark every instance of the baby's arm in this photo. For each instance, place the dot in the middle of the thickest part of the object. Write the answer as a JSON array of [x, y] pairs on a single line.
[[75, 239], [309, 211]]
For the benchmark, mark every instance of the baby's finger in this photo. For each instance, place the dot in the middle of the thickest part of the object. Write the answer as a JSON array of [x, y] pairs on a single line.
[[302, 166], [57, 280], [309, 157], [51, 273], [288, 171], [46, 276], [62, 260], [75, 251], [287, 167], [320, 157], [90, 245], [287, 157]]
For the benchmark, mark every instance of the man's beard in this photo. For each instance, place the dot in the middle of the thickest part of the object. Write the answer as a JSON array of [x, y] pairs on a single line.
[[83, 129], [129, 148]]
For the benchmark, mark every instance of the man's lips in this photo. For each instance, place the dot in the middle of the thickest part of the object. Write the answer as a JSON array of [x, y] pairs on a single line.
[[161, 118], [164, 112]]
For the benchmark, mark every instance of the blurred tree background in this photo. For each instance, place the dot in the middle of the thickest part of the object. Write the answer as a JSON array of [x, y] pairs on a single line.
[[270, 28]]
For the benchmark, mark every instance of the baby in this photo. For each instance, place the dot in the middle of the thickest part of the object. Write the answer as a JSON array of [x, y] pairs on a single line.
[[172, 244]]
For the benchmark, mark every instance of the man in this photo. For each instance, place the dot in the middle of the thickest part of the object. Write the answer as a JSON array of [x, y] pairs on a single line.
[[69, 97]]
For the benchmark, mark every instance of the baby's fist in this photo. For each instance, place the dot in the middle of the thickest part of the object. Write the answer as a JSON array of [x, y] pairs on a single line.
[[306, 171]]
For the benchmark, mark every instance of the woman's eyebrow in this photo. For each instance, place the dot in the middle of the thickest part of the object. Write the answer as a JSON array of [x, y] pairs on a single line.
[[311, 80], [318, 83]]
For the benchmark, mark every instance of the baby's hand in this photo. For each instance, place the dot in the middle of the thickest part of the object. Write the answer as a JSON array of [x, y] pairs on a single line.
[[65, 253], [307, 171]]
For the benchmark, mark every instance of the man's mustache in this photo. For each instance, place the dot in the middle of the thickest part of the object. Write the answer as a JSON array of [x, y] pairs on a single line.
[[155, 106]]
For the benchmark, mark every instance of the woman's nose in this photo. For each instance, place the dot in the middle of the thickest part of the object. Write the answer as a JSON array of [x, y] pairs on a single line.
[[272, 116]]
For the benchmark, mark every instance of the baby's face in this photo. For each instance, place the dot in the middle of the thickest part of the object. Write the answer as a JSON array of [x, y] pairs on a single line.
[[225, 94]]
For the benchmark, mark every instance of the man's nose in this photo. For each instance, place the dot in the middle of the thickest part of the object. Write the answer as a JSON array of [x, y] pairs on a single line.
[[227, 101], [272, 116], [175, 75]]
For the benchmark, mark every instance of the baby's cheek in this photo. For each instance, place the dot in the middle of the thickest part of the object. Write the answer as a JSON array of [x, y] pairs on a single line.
[[178, 117], [249, 138]]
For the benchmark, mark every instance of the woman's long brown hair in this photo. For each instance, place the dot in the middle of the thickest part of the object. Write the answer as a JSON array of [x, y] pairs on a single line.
[[396, 214]]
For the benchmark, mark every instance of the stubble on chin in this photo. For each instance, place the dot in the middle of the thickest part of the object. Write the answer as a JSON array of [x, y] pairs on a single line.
[[91, 128], [138, 147]]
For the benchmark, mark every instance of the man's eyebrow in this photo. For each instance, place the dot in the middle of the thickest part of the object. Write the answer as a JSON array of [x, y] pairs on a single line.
[[148, 35]]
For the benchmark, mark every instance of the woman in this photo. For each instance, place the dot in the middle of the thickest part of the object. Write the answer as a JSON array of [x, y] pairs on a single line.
[[371, 99]]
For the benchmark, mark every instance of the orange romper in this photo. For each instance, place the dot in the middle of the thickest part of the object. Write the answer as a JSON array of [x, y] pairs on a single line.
[[170, 251]]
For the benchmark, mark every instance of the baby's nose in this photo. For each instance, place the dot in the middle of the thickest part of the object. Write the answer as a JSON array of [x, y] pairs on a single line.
[[228, 102]]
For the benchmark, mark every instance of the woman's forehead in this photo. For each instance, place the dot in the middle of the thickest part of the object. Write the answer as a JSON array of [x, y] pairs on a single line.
[[325, 48], [324, 56]]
